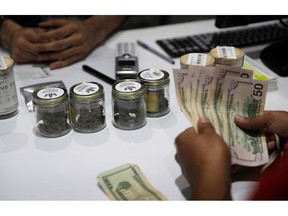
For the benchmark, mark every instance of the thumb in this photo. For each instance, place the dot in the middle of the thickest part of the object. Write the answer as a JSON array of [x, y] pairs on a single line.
[[204, 125], [252, 123]]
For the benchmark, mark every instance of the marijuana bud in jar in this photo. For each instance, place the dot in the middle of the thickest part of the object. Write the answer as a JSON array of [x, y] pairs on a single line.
[[128, 104], [51, 105], [87, 107]]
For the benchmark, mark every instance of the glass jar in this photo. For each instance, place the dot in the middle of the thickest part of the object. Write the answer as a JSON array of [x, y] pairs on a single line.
[[157, 96], [128, 104], [8, 93], [51, 106], [87, 107]]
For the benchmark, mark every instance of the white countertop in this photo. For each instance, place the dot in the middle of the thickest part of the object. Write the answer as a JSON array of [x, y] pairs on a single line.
[[65, 168]]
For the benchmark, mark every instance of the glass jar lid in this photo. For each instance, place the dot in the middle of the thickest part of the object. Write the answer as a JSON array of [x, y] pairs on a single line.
[[128, 89], [86, 92], [49, 96], [154, 77], [5, 65]]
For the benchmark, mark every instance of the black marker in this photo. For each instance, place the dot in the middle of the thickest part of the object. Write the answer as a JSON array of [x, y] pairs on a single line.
[[98, 74]]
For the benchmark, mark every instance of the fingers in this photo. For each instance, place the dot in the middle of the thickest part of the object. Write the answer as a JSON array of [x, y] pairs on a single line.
[[58, 29], [53, 45], [58, 41], [254, 123], [20, 56], [31, 34], [189, 137], [64, 58], [270, 121], [53, 23], [204, 126], [61, 42], [185, 135], [64, 63]]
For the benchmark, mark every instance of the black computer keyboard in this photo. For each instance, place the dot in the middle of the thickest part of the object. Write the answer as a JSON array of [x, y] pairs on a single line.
[[176, 47]]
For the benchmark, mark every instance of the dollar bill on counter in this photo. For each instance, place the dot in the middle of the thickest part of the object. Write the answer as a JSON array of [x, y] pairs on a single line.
[[127, 182]]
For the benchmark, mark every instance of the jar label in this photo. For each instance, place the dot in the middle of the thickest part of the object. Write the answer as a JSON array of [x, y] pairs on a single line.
[[8, 94], [197, 59], [226, 52], [152, 74], [86, 89], [128, 86], [50, 93]]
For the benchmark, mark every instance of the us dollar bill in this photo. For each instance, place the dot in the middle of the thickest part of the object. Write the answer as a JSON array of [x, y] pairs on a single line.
[[127, 182], [180, 78], [204, 108], [215, 98], [245, 97], [196, 72]]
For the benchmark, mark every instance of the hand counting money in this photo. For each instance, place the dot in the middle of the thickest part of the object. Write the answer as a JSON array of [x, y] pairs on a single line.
[[220, 93]]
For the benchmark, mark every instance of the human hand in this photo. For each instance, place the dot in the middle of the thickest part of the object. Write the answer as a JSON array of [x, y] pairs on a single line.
[[65, 42], [271, 122], [19, 41], [59, 42], [72, 40], [205, 161]]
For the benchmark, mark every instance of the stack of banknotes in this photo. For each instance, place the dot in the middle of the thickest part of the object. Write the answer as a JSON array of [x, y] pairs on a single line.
[[220, 93], [127, 182]]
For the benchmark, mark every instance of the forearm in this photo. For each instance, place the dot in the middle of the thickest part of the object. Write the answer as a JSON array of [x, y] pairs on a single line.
[[7, 31], [211, 188]]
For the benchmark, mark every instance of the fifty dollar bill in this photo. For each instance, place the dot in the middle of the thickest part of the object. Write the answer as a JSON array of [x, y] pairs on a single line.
[[245, 97]]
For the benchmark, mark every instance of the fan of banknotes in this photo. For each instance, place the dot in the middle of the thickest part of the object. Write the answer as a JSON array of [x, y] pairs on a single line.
[[220, 93]]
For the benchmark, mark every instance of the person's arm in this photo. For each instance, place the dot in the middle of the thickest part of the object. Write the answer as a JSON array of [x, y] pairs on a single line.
[[72, 40], [205, 161]]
